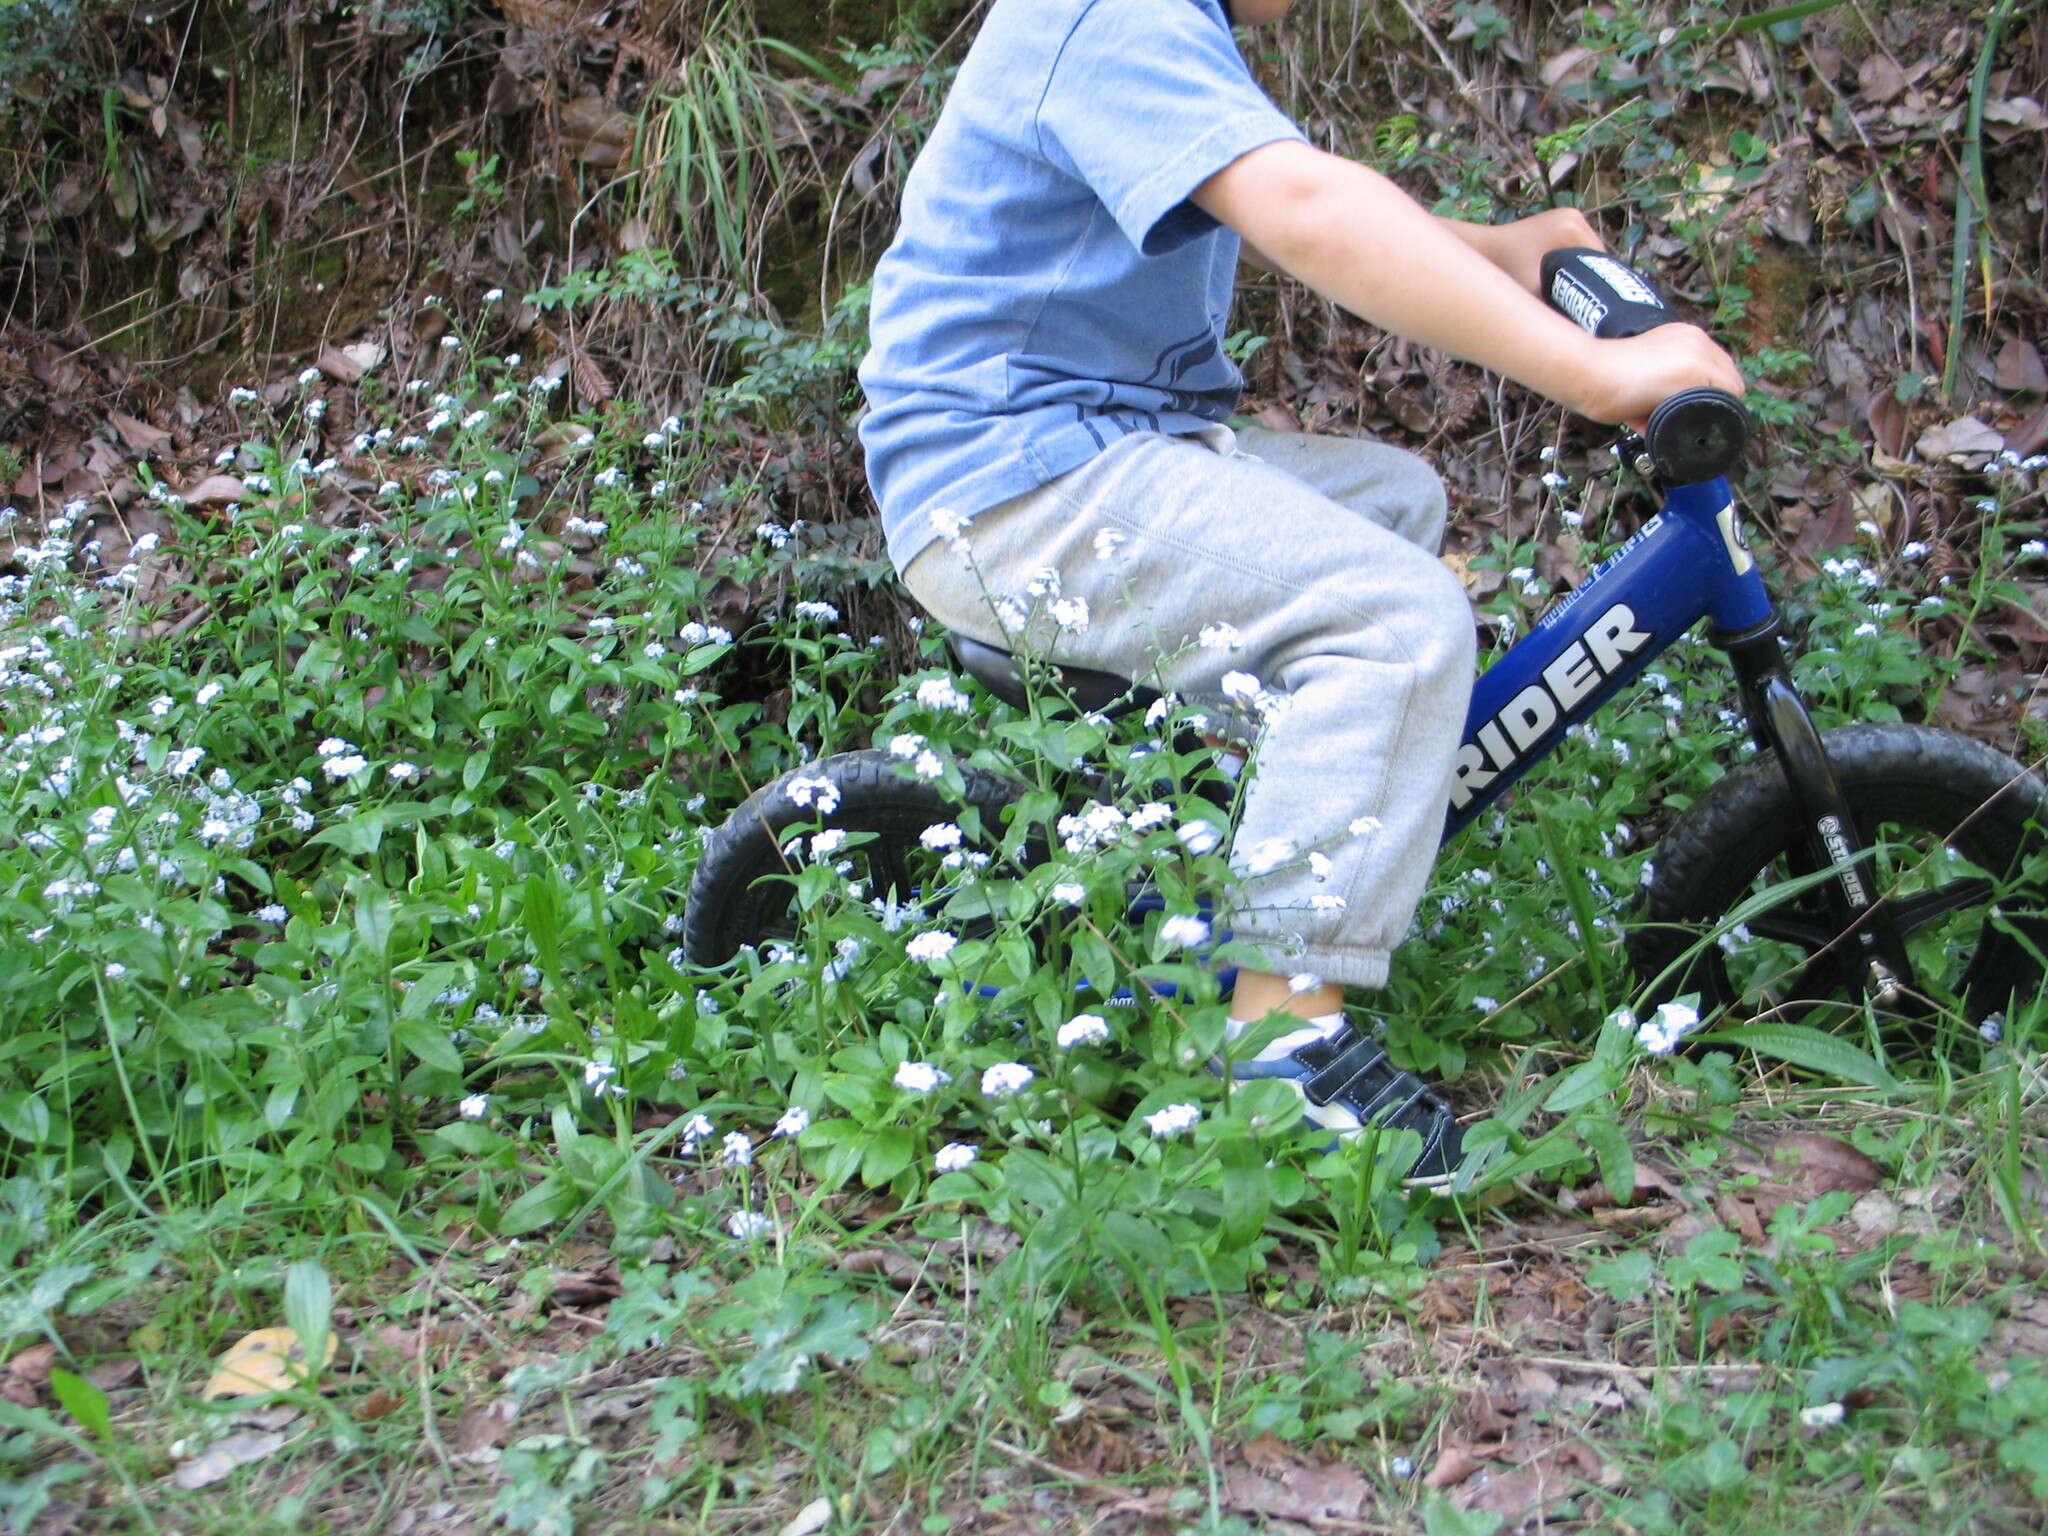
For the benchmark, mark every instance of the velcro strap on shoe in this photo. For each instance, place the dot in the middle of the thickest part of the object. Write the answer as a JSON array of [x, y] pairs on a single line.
[[1361, 1055]]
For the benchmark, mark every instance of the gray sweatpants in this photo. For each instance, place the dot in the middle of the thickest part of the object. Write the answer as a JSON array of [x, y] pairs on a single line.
[[1311, 563]]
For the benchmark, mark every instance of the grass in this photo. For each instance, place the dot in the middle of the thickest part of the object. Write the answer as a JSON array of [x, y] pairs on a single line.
[[343, 840], [347, 997]]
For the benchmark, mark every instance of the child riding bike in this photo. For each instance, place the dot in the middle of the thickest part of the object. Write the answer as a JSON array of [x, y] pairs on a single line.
[[1048, 400]]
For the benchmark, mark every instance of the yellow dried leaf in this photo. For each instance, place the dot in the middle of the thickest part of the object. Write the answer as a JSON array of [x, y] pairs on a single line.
[[268, 1360]]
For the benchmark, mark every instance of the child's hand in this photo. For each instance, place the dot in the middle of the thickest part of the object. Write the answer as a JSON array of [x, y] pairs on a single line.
[[1518, 248], [1629, 378]]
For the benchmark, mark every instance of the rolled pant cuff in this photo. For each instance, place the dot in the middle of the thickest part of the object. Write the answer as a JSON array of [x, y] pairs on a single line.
[[1349, 967]]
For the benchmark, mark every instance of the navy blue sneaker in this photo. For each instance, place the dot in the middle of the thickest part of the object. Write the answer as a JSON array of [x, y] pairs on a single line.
[[1348, 1083]]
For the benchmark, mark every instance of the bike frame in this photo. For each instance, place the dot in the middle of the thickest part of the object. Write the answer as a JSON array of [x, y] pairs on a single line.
[[1688, 562]]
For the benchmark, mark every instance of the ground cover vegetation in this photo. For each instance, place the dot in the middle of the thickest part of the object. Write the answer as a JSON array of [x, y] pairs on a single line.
[[432, 507]]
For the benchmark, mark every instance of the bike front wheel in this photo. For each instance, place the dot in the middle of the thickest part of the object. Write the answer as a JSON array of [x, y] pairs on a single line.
[[1955, 830], [743, 891]]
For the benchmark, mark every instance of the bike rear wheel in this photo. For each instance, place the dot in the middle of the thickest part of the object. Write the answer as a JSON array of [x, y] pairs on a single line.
[[1954, 826], [743, 891]]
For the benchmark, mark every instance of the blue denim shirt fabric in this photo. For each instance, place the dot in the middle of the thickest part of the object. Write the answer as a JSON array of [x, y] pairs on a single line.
[[1051, 288]]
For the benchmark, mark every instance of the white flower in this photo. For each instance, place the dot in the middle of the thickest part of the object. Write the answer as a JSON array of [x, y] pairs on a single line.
[[343, 767], [954, 1156], [920, 1077], [823, 612], [1106, 542], [597, 1073], [491, 296], [1660, 1033], [1198, 836], [1070, 612], [1303, 981], [930, 948], [737, 1150], [1069, 893], [940, 835], [1266, 855], [1006, 1079], [271, 914], [939, 693], [794, 1122], [746, 1225], [928, 765], [1219, 637], [696, 1129], [828, 842], [1241, 685], [1486, 1004], [1822, 1415], [114, 970], [1149, 815], [906, 746], [809, 790], [1992, 1029], [1083, 1029], [1183, 931], [309, 376], [403, 771], [1326, 903], [207, 694], [475, 1107], [1172, 1120], [949, 524]]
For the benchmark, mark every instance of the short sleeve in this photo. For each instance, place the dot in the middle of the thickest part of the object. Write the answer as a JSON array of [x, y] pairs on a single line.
[[1147, 100]]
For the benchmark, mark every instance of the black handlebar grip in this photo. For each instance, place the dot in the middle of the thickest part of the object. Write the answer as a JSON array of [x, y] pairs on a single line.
[[1698, 434], [1606, 297]]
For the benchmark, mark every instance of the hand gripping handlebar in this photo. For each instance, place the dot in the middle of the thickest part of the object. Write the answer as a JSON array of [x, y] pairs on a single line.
[[1698, 434]]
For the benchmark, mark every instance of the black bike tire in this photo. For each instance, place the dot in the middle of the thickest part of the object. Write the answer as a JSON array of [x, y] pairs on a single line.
[[736, 893], [1980, 802]]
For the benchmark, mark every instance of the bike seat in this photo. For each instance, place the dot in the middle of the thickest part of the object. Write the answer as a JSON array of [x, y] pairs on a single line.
[[1092, 692]]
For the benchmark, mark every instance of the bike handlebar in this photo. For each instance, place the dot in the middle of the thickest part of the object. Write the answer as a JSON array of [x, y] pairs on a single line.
[[1698, 434]]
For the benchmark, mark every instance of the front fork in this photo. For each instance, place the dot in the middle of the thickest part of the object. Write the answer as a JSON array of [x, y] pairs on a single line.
[[1779, 722]]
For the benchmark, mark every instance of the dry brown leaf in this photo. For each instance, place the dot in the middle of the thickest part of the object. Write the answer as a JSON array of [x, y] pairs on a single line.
[[1965, 438], [224, 1456], [31, 1366], [138, 435], [2019, 368], [1880, 79], [892, 1264], [1453, 1465], [214, 488], [1334, 1492], [347, 365], [1822, 1164], [812, 1518]]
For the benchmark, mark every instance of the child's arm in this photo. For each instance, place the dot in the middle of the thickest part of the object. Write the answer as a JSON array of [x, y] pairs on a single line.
[[1359, 240]]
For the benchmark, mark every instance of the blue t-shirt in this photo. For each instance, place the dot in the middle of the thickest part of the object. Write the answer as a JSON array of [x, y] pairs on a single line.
[[1051, 288]]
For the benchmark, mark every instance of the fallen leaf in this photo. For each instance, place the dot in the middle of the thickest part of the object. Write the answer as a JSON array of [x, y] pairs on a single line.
[[112, 1375], [214, 488], [1824, 1163], [1334, 1492], [1880, 79], [2019, 368], [138, 435], [223, 1456], [268, 1360], [811, 1518], [1964, 438], [31, 1366], [1453, 1466], [347, 365]]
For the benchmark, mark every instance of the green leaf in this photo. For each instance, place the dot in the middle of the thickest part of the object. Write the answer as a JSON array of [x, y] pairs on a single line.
[[1626, 1276], [1247, 1192], [309, 1307], [429, 1041], [888, 1153], [1610, 1145], [1813, 1049], [1588, 1081], [25, 1117], [547, 1202], [1440, 1517], [84, 1402]]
